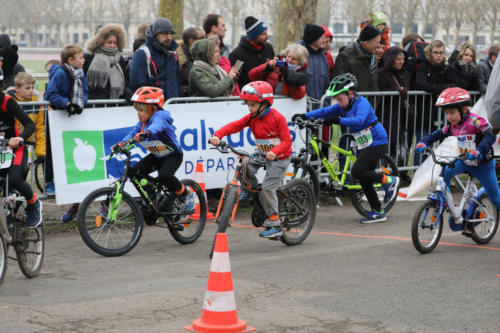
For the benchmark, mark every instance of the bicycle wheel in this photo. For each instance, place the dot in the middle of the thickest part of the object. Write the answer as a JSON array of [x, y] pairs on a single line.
[[425, 230], [39, 176], [230, 197], [3, 259], [483, 232], [306, 172], [385, 165], [113, 237], [297, 210], [29, 244], [187, 228]]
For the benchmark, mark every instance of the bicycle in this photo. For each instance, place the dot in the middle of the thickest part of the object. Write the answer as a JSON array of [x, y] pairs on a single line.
[[297, 205], [475, 212], [110, 221], [28, 243], [337, 179]]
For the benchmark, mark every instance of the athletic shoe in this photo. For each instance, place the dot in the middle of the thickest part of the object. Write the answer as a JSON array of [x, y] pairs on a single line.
[[49, 189], [189, 200], [374, 217], [271, 233], [391, 188], [34, 215], [270, 224], [70, 214]]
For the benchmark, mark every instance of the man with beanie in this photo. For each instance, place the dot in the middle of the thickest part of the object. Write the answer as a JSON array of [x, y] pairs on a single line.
[[253, 49], [359, 59], [10, 66], [318, 73], [155, 63]]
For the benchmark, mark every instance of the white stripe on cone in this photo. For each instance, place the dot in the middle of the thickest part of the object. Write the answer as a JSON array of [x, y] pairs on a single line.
[[219, 301], [220, 262]]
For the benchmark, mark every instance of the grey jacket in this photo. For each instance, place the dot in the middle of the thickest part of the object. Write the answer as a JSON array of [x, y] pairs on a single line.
[[483, 72], [492, 97]]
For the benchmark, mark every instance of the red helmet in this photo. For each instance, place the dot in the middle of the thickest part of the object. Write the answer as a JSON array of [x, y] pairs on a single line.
[[328, 33], [257, 91], [149, 95], [453, 97]]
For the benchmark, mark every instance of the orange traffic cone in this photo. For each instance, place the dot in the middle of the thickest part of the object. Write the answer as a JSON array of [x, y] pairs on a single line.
[[198, 177], [219, 306]]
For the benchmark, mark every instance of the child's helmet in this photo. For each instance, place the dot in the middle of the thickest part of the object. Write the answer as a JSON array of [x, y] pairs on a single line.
[[342, 83], [149, 95], [257, 91], [453, 97]]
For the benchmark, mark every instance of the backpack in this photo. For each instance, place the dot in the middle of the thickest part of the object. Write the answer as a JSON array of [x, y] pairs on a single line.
[[415, 54], [150, 61]]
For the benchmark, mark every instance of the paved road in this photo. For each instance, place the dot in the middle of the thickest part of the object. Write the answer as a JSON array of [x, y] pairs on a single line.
[[346, 277]]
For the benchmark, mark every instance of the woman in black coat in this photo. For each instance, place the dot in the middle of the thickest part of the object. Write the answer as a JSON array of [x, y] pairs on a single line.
[[463, 62]]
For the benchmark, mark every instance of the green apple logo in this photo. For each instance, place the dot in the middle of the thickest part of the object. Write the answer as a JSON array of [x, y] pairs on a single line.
[[83, 151]]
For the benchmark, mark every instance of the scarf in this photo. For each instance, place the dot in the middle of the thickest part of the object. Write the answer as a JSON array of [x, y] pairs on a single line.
[[216, 70], [370, 57], [77, 94], [104, 68]]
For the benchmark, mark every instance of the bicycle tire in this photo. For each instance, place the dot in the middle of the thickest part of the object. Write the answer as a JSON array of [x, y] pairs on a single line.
[[99, 234], [230, 197], [29, 244], [296, 227], [258, 216], [308, 173], [419, 225], [39, 176], [483, 232], [3, 259], [189, 228], [358, 197]]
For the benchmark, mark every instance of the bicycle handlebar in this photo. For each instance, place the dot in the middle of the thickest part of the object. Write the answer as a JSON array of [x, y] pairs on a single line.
[[309, 123], [448, 162], [225, 147], [5, 142]]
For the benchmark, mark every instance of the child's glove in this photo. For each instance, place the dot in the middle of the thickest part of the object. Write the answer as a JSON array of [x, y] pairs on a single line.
[[297, 116], [116, 147], [420, 147], [331, 120], [474, 155]]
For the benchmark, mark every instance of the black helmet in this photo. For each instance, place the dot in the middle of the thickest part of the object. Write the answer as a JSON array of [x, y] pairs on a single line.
[[342, 83]]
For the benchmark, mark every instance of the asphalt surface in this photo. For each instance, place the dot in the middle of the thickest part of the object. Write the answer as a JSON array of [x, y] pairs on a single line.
[[346, 277]]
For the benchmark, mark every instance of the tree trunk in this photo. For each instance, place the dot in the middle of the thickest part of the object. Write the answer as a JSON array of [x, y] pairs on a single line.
[[457, 33], [292, 18], [174, 11]]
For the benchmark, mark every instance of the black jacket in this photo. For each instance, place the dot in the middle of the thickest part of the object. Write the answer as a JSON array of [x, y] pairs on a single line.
[[466, 74], [435, 78], [251, 57]]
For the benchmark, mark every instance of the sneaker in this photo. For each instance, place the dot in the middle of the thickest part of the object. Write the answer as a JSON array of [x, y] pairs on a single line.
[[34, 214], [271, 233], [70, 213], [271, 223], [189, 200], [374, 217], [391, 188], [49, 189]]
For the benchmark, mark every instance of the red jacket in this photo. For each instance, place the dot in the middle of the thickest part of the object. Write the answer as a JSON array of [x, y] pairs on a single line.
[[226, 65], [331, 63], [270, 130], [273, 78]]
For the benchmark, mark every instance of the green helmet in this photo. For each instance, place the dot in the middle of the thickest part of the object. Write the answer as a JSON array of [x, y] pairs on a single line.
[[342, 83]]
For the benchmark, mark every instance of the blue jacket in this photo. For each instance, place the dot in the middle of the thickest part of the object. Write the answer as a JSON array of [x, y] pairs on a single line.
[[318, 73], [357, 118], [167, 75], [60, 86], [161, 126]]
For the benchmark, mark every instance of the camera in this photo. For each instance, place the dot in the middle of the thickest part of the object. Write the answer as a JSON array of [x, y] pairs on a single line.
[[281, 63]]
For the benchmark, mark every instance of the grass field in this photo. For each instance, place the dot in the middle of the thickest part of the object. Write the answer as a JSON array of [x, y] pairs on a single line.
[[36, 67]]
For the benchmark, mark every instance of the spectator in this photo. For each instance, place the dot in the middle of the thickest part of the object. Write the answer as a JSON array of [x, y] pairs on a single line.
[[253, 49], [463, 61], [48, 65], [411, 37], [214, 24], [288, 76], [104, 65], [485, 66], [189, 36], [492, 98], [140, 36], [379, 21], [328, 38], [10, 66], [207, 78], [155, 63], [360, 60], [318, 74], [379, 54]]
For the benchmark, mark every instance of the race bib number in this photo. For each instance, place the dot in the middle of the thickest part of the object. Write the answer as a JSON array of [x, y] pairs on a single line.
[[466, 143], [6, 158], [157, 148], [363, 138], [266, 145]]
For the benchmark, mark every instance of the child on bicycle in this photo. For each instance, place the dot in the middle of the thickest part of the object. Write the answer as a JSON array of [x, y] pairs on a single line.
[[355, 112], [272, 136], [155, 123], [10, 114], [474, 137]]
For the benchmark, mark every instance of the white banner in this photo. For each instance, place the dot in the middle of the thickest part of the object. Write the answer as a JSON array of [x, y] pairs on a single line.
[[81, 143]]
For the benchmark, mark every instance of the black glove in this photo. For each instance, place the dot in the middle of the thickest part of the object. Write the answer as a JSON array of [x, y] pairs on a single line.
[[73, 108], [284, 71], [116, 147], [40, 159], [297, 116], [145, 135], [331, 120]]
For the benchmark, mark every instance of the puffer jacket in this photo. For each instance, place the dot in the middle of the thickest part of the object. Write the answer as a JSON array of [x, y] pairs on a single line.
[[484, 69]]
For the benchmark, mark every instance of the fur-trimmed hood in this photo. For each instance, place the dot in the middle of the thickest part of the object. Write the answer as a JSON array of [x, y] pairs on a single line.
[[103, 32]]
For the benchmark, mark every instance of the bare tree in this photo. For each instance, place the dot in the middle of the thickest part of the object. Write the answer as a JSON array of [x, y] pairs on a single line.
[[32, 18], [173, 10], [292, 17], [91, 13], [194, 12], [459, 12], [324, 12], [126, 11], [233, 16], [11, 15], [428, 8], [475, 16], [491, 16], [357, 11]]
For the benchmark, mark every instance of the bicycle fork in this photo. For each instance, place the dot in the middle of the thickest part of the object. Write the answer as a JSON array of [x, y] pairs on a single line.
[[114, 204], [4, 229]]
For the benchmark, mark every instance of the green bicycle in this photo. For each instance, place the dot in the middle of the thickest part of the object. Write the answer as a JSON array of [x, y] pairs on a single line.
[[301, 168]]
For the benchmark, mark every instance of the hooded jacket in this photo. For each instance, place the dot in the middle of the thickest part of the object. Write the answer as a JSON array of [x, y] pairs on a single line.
[[206, 77], [318, 73], [390, 79], [164, 67]]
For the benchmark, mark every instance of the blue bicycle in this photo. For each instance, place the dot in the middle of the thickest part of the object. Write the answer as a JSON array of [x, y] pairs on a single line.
[[475, 216]]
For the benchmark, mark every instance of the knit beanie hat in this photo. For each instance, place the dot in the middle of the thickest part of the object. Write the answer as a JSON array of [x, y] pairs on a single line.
[[162, 25], [368, 33], [254, 27], [312, 33], [378, 18]]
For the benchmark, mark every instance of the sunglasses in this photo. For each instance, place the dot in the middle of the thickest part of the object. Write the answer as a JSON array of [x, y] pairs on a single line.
[[438, 53]]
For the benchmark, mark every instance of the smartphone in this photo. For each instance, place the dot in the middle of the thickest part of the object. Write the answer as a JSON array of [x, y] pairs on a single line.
[[238, 64]]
